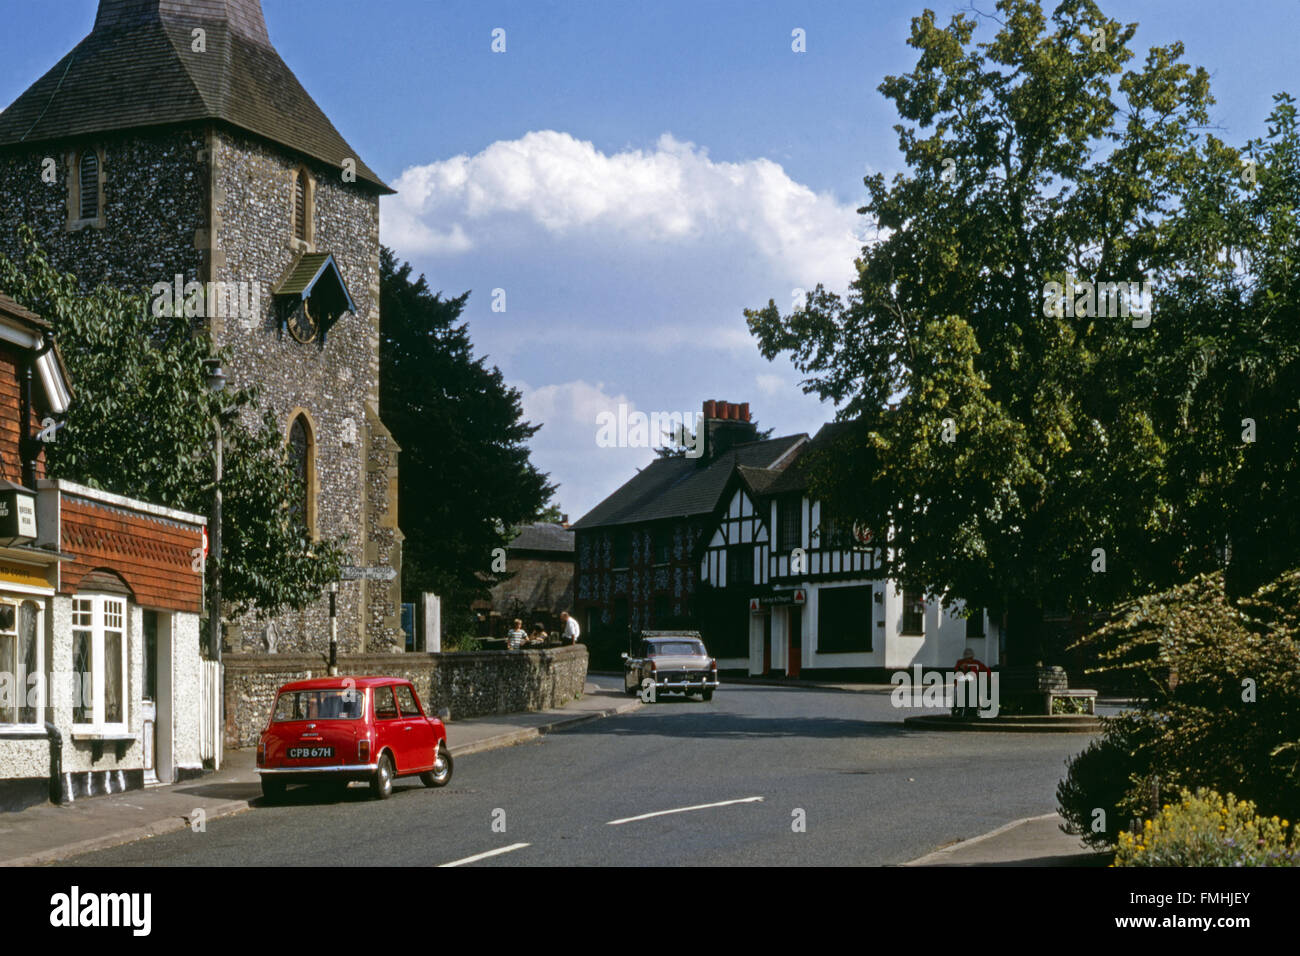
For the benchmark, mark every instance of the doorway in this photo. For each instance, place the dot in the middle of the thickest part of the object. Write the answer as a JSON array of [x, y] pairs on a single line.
[[795, 648], [156, 699]]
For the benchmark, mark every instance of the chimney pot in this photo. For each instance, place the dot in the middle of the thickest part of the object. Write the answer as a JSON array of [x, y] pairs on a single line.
[[724, 411], [710, 409], [744, 411]]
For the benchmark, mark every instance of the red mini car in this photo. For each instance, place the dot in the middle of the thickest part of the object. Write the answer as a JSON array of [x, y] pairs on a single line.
[[332, 730]]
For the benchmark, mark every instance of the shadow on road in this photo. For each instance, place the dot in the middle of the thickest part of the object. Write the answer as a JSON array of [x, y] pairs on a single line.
[[652, 721]]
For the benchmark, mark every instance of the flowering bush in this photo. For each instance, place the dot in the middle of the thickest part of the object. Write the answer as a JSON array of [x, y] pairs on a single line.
[[1206, 829]]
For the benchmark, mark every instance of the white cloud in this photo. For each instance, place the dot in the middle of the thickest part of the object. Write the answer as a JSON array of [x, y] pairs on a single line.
[[669, 196], [566, 448]]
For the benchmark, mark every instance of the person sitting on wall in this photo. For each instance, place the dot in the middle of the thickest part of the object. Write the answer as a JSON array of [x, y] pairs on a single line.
[[968, 669], [538, 635], [516, 636]]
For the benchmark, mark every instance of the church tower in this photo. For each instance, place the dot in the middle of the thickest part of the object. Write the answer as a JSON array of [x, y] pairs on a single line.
[[173, 141]]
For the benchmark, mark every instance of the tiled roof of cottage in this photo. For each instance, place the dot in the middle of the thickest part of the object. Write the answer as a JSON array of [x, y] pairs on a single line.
[[543, 536], [680, 487], [137, 68], [15, 311]]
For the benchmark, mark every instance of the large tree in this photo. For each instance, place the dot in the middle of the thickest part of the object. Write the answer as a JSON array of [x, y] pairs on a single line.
[[465, 479], [1009, 450], [142, 424]]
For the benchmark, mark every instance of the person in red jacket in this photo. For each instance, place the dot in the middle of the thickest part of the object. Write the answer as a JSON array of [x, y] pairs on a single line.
[[968, 669]]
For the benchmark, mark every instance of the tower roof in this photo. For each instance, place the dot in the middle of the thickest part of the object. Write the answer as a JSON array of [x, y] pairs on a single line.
[[138, 68]]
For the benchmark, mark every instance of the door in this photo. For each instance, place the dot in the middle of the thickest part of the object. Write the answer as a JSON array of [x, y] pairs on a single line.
[[767, 643], [417, 736], [149, 702], [388, 724], [795, 655]]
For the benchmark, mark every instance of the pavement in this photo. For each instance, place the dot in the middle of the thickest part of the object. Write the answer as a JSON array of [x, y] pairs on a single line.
[[47, 834], [1031, 841]]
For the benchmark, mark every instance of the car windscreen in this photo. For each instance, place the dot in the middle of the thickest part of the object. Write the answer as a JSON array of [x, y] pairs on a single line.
[[334, 704], [677, 649]]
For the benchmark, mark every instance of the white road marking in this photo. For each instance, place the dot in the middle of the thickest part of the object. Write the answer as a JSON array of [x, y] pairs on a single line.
[[702, 806], [483, 856]]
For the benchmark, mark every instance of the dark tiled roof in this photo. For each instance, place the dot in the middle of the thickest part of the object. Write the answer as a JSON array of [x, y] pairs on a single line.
[[796, 476], [137, 69], [759, 480], [543, 536], [680, 487], [15, 311], [311, 267]]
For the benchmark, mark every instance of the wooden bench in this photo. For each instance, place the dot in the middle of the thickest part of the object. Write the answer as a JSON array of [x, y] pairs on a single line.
[[1089, 695]]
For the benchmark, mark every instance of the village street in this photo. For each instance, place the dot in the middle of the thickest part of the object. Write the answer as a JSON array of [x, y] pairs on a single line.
[[871, 792]]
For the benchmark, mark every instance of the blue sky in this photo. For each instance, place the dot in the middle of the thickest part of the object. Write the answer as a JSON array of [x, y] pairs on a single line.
[[634, 175]]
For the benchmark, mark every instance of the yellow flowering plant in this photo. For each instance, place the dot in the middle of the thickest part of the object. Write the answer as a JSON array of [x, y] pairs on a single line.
[[1207, 829]]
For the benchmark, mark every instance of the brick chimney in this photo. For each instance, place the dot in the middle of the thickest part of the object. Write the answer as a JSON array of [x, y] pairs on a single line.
[[725, 425]]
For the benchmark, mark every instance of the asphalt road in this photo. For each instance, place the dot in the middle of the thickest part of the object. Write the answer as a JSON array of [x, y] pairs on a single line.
[[867, 791]]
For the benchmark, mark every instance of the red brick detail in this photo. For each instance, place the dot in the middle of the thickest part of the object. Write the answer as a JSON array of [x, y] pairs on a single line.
[[154, 556]]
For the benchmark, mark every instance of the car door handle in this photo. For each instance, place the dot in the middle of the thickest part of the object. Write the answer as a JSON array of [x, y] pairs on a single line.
[[408, 729]]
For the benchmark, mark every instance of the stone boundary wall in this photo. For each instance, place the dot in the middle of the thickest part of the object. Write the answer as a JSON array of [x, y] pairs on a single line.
[[474, 684]]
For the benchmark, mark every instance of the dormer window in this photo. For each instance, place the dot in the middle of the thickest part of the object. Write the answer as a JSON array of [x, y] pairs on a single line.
[[303, 208], [85, 189]]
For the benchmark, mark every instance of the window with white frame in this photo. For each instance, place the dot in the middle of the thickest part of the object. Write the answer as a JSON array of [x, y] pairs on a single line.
[[99, 649], [21, 667]]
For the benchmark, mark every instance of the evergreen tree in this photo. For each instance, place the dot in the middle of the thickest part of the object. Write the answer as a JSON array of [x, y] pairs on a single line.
[[465, 478]]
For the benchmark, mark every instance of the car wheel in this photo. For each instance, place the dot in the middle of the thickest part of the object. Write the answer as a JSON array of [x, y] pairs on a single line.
[[272, 789], [708, 695], [440, 775], [381, 784]]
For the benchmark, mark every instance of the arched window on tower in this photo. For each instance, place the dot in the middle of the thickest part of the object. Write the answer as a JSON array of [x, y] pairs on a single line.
[[85, 200], [303, 201], [300, 457]]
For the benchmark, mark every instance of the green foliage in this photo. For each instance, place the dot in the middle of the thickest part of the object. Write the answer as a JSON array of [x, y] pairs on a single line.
[[142, 424], [1205, 829], [1030, 155], [1107, 776], [465, 478], [1221, 682]]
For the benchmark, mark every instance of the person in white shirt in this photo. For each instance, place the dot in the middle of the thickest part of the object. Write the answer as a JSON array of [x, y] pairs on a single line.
[[571, 630]]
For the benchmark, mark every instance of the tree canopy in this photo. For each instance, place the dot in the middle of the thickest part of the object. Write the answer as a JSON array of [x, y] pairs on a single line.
[[1030, 437]]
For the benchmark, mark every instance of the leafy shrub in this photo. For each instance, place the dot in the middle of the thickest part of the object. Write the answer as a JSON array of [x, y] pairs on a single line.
[[1206, 829], [1221, 710], [1102, 778]]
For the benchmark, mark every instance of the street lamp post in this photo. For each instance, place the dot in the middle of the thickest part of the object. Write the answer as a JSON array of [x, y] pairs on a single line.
[[216, 382], [334, 630]]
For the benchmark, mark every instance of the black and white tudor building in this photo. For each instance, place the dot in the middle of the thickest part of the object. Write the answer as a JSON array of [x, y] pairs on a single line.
[[805, 587]]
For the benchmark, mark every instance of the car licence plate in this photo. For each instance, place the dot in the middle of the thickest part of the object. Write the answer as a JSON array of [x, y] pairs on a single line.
[[309, 753]]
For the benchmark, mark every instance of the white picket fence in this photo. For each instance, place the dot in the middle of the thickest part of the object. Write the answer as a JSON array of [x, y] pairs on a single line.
[[211, 725]]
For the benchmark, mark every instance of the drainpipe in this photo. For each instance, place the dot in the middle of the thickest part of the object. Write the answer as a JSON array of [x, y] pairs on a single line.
[[57, 795], [27, 444]]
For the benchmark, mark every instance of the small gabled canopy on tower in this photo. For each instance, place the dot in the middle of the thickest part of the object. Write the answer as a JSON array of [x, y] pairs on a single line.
[[314, 278]]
